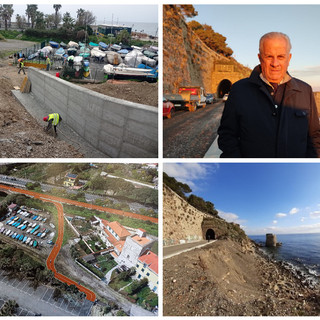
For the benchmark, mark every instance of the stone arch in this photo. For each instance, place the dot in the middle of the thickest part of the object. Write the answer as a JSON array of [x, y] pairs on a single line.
[[210, 234], [223, 87]]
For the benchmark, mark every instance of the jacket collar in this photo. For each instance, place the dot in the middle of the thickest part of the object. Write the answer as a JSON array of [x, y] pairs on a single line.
[[257, 78]]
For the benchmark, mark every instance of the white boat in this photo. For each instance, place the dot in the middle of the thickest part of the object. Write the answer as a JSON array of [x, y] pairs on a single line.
[[123, 70], [97, 53]]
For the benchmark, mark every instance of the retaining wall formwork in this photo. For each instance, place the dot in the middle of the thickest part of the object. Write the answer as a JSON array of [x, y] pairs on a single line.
[[118, 128]]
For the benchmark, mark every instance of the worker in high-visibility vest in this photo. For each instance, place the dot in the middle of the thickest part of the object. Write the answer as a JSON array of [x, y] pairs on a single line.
[[53, 119], [21, 66], [48, 63]]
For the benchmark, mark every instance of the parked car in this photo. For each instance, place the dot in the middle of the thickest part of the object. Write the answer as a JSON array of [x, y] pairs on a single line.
[[210, 98], [168, 108]]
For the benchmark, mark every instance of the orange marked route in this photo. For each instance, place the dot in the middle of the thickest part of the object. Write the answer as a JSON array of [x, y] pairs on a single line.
[[82, 204], [53, 254], [56, 248]]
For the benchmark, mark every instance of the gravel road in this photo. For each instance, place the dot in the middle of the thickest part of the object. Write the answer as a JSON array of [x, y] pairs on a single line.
[[13, 44], [190, 134]]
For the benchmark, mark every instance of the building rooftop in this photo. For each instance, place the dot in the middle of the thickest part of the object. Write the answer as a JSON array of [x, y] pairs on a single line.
[[151, 260], [142, 241], [71, 176], [119, 229]]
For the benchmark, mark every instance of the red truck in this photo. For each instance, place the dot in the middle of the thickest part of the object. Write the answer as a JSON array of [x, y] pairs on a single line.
[[190, 97]]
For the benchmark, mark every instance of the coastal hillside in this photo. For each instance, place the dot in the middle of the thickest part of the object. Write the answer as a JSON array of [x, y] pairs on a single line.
[[229, 276], [189, 61]]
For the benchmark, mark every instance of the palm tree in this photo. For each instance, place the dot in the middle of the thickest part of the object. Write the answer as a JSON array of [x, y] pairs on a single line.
[[31, 12], [57, 7], [6, 13]]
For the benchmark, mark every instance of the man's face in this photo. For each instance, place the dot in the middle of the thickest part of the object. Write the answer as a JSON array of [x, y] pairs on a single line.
[[274, 59]]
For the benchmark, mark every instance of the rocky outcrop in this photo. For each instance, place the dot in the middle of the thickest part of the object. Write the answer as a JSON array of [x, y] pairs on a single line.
[[188, 61], [184, 223]]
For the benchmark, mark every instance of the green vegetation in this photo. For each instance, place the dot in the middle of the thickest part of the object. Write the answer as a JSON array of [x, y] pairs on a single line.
[[197, 202], [122, 279], [9, 308], [150, 227], [213, 40], [91, 268], [10, 34], [106, 262], [68, 233], [22, 266]]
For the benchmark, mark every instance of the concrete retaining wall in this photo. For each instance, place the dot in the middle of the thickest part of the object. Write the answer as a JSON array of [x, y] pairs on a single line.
[[116, 127]]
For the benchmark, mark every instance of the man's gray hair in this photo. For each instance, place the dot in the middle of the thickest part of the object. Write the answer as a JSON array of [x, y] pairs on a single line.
[[272, 35]]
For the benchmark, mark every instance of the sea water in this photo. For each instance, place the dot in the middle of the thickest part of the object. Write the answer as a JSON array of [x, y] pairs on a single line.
[[302, 251], [143, 27]]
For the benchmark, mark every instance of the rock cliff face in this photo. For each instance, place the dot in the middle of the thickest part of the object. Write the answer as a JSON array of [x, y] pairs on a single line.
[[188, 61], [317, 97], [183, 223]]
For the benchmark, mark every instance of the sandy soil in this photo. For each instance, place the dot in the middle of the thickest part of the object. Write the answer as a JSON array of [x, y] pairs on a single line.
[[229, 279], [139, 92]]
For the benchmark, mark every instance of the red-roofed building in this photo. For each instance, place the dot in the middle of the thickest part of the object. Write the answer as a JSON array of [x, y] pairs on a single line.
[[113, 234], [147, 267], [134, 247]]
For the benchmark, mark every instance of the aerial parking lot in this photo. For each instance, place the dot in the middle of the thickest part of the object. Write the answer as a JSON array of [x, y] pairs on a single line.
[[29, 227], [40, 299]]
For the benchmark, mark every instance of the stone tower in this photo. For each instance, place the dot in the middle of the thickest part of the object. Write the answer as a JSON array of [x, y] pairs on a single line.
[[271, 240]]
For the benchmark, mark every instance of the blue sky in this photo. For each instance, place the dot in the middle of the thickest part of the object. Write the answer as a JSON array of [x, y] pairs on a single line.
[[280, 198], [243, 25]]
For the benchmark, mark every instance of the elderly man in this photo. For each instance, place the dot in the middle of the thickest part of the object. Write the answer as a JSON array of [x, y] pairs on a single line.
[[270, 114]]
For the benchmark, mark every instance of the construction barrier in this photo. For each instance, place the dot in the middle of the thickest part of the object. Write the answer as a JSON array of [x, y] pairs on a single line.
[[118, 128], [35, 65]]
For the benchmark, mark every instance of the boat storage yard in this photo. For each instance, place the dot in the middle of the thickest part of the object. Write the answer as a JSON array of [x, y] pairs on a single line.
[[99, 61]]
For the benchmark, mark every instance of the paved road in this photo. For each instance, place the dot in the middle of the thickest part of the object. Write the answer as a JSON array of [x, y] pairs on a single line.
[[190, 134], [172, 251], [39, 300]]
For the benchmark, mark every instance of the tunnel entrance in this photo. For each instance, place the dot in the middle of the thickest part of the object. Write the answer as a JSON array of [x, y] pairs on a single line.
[[210, 235], [224, 87]]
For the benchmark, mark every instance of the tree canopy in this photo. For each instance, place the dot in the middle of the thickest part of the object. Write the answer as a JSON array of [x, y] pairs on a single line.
[[182, 188], [213, 40]]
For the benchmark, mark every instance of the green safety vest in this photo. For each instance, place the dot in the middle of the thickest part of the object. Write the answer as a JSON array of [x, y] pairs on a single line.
[[55, 117]]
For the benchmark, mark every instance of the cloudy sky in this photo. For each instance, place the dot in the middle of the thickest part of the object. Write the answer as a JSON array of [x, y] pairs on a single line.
[[243, 25], [103, 12], [281, 198]]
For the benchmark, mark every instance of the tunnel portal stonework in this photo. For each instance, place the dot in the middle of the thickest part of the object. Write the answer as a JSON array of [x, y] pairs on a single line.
[[223, 76], [183, 223]]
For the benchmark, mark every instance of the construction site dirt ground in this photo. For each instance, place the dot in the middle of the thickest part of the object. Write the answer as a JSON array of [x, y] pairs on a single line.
[[20, 134]]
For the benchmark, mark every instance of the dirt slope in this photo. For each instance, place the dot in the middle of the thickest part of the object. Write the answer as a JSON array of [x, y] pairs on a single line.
[[20, 135], [230, 279]]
